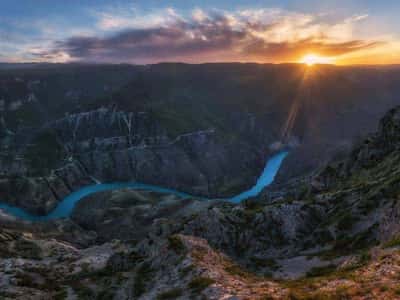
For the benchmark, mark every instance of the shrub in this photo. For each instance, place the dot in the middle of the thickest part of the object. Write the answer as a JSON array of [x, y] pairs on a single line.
[[321, 271], [346, 222], [171, 294], [142, 276], [61, 295], [28, 249], [392, 243], [176, 244], [200, 283], [267, 262], [236, 270]]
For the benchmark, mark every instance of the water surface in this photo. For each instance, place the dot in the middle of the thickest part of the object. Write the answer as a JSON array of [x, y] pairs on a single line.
[[66, 206]]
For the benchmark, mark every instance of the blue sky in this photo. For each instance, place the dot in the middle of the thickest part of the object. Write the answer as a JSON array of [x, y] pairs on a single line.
[[353, 31]]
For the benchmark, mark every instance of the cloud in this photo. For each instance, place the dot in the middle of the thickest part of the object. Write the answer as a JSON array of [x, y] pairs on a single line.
[[122, 18], [262, 35]]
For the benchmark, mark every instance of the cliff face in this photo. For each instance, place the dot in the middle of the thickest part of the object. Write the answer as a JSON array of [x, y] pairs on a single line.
[[120, 146], [110, 146], [368, 154]]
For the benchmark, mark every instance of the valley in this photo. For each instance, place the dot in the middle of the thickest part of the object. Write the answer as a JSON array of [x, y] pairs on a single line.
[[66, 206]]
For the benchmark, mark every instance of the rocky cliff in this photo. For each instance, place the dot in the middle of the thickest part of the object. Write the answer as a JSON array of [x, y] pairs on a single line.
[[115, 146]]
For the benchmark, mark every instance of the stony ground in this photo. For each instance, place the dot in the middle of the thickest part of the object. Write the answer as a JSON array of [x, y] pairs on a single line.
[[180, 267]]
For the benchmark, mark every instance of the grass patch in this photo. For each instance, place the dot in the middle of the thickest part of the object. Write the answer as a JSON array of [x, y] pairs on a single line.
[[176, 244], [44, 153], [199, 284], [321, 271], [350, 244], [185, 271], [105, 294], [397, 291], [339, 294], [83, 291], [392, 243], [143, 275], [171, 294], [28, 249], [266, 263], [61, 295], [236, 270], [346, 221], [26, 280]]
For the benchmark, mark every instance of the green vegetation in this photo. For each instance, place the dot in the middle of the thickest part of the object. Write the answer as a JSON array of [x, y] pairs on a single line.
[[135, 257], [44, 153], [87, 273], [176, 244], [346, 221], [26, 280], [364, 258], [395, 242], [105, 294], [236, 270], [198, 284], [185, 271], [61, 295], [28, 249], [339, 294], [143, 275], [128, 197], [171, 294], [321, 271], [27, 114], [253, 206], [82, 291], [265, 263], [183, 119], [347, 244]]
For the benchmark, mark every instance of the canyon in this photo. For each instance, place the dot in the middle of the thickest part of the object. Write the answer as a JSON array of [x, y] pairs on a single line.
[[326, 228]]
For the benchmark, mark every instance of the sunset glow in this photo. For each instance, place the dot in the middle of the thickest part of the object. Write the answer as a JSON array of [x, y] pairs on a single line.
[[144, 32], [312, 59]]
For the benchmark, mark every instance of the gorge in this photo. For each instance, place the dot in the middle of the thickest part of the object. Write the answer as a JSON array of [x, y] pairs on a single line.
[[65, 207]]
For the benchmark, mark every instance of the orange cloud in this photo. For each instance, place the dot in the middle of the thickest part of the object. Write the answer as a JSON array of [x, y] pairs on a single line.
[[262, 35]]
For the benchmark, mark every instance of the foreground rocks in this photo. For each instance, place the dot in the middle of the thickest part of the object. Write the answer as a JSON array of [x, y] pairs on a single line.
[[177, 267]]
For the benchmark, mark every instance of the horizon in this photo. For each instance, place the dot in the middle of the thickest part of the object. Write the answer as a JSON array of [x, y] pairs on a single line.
[[147, 32], [80, 63]]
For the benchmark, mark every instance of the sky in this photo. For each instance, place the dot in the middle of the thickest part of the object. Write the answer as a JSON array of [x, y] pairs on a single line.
[[151, 31]]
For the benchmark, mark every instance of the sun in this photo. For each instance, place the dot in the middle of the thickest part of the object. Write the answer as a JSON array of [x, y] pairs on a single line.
[[312, 59]]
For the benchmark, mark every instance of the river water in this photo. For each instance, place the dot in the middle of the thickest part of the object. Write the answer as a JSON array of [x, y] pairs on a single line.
[[66, 206]]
